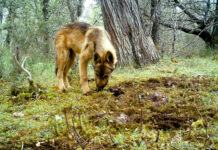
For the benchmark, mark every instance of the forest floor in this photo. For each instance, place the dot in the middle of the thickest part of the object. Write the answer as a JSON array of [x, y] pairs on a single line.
[[169, 105]]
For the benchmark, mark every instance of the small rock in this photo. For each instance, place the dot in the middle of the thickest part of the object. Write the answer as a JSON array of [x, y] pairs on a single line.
[[38, 144], [122, 118], [155, 96], [164, 100], [170, 83], [18, 114]]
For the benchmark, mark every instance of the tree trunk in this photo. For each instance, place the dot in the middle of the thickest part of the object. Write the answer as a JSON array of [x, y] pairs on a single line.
[[75, 9], [122, 20], [173, 43], [72, 13], [46, 46], [10, 20], [155, 14], [215, 32], [17, 54], [1, 18]]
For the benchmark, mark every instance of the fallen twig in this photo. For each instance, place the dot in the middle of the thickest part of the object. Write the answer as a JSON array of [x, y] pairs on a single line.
[[190, 128], [141, 115], [74, 130], [111, 138], [73, 133], [22, 67], [80, 122], [22, 146], [68, 127], [158, 135], [95, 148], [141, 127]]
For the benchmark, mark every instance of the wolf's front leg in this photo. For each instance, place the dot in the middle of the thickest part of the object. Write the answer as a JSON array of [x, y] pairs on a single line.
[[83, 63]]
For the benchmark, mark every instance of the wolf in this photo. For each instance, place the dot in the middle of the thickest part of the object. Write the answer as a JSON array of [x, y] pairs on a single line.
[[91, 43]]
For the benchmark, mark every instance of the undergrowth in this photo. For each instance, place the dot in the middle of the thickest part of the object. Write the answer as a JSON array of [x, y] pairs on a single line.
[[163, 106]]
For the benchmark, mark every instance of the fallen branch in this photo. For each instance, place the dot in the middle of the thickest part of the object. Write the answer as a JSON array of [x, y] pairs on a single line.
[[111, 138], [22, 67], [74, 133], [141, 120], [141, 115], [22, 146], [190, 128], [158, 135], [68, 127]]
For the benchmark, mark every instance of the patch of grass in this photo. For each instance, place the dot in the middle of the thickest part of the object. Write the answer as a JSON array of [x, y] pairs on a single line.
[[163, 106]]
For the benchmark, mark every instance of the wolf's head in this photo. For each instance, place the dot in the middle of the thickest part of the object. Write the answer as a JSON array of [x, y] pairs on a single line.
[[103, 66]]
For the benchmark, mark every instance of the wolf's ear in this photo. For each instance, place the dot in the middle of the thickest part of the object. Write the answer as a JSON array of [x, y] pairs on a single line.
[[97, 58], [109, 57]]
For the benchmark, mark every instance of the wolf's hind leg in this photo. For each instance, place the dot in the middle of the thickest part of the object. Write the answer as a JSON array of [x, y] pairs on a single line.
[[71, 60], [62, 59]]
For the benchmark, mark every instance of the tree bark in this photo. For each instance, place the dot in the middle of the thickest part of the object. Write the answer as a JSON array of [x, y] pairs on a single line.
[[46, 45], [122, 20]]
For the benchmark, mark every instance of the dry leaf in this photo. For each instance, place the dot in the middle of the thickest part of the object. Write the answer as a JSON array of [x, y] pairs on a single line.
[[173, 60], [56, 87]]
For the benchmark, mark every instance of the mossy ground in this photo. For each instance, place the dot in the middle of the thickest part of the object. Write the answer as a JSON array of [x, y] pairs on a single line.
[[163, 106]]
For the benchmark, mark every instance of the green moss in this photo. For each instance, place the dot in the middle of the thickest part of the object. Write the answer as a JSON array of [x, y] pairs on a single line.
[[24, 96], [156, 110]]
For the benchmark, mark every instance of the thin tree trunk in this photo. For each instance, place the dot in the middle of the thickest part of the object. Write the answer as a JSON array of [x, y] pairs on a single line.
[[173, 43], [155, 14], [10, 19], [17, 54], [75, 9], [122, 20], [1, 18], [46, 46], [215, 32], [174, 21], [72, 13]]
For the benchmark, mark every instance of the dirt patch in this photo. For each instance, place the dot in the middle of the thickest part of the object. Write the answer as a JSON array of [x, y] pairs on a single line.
[[166, 102], [116, 91]]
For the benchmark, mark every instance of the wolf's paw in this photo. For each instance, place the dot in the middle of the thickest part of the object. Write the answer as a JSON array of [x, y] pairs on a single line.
[[62, 89], [68, 87], [86, 90]]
